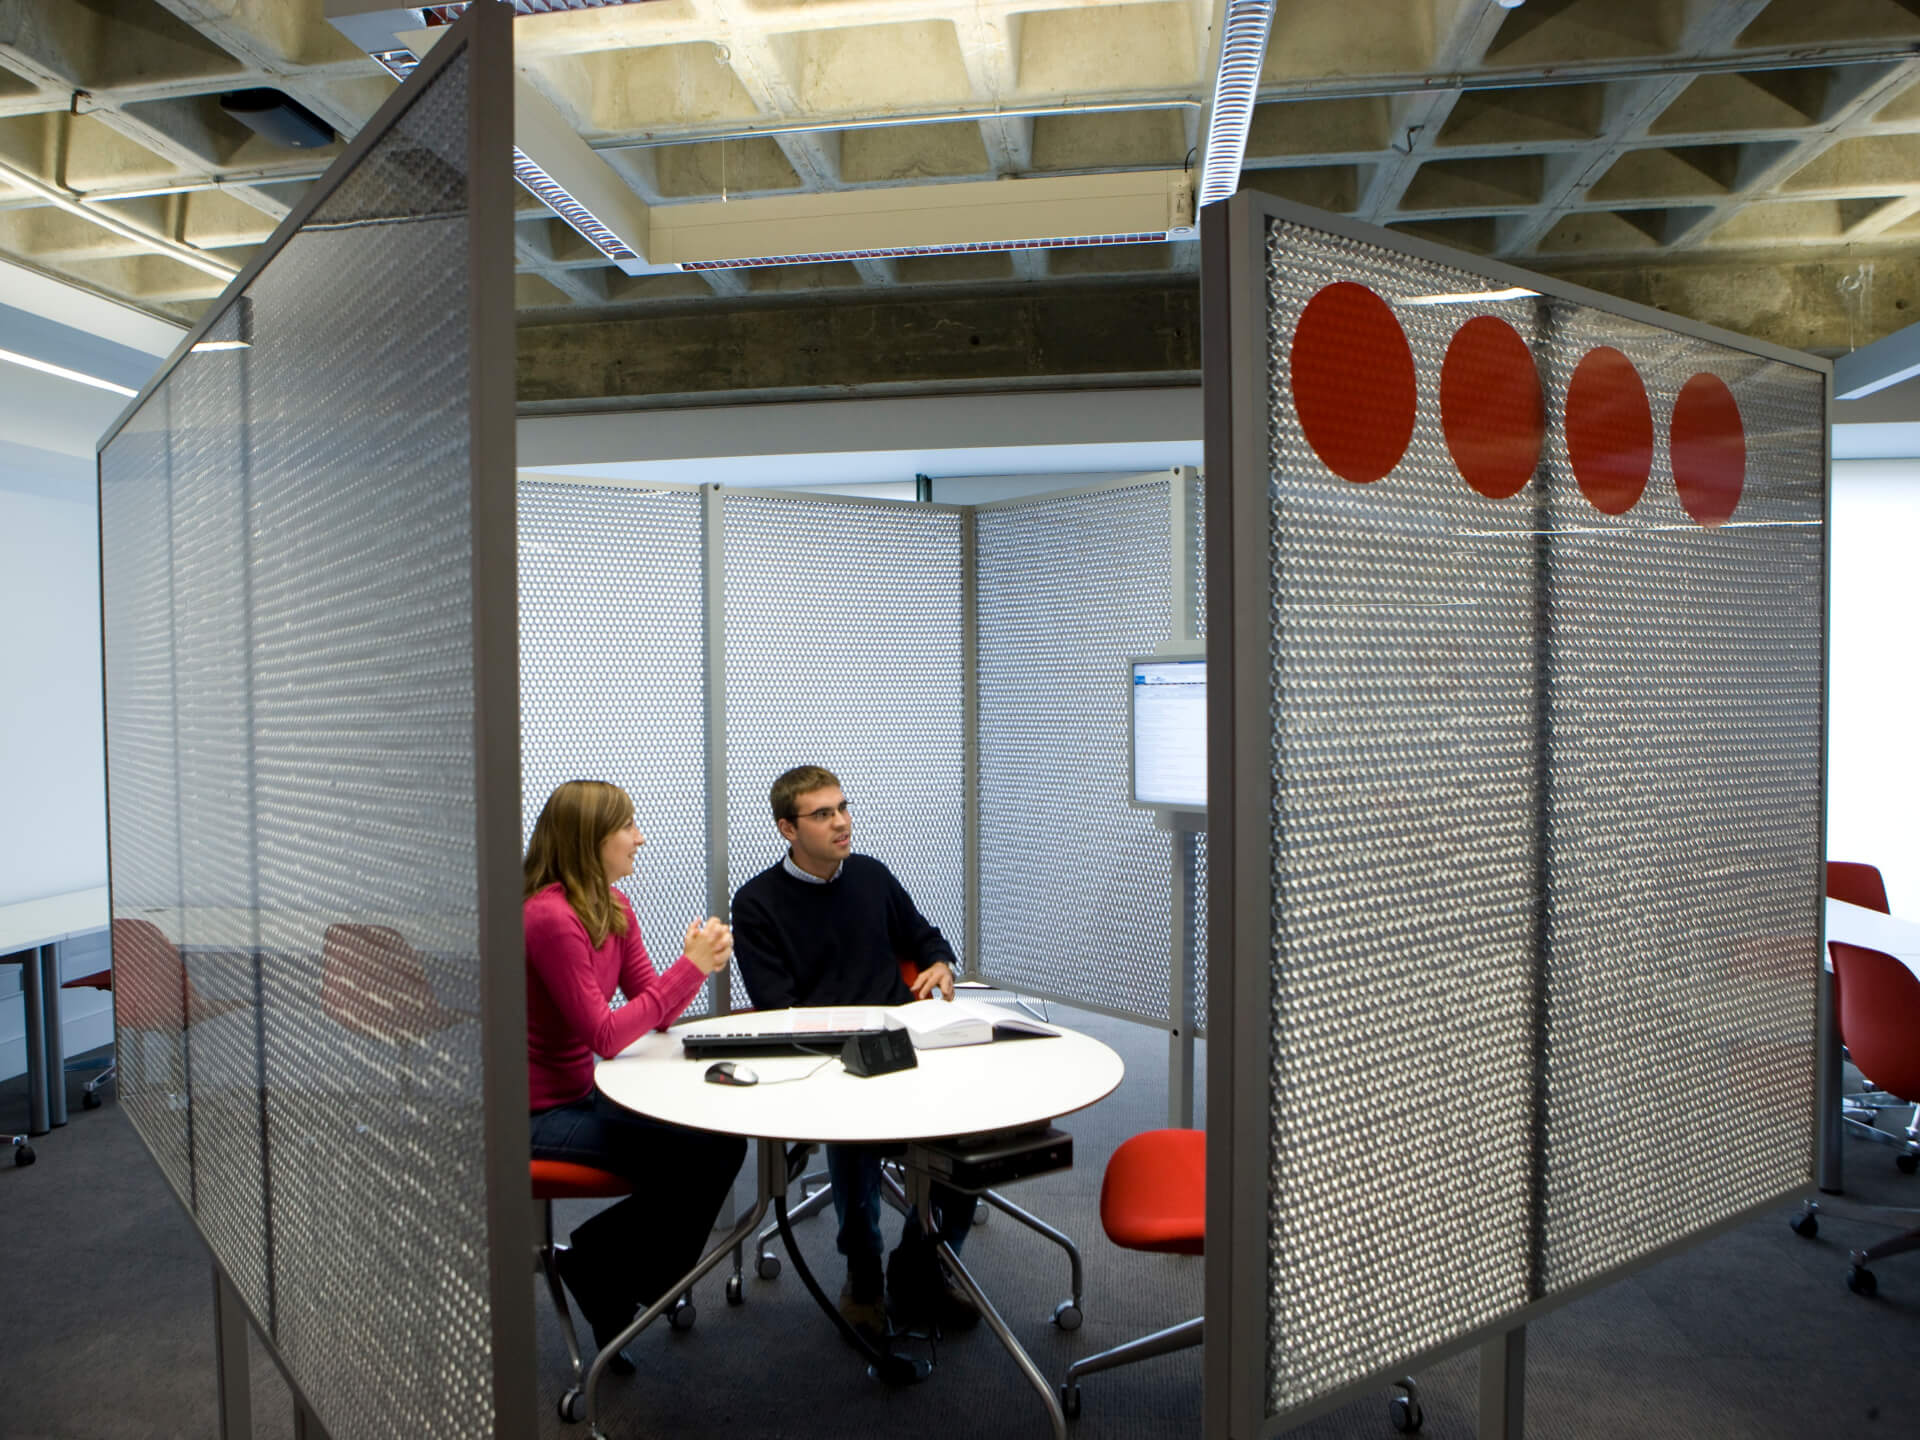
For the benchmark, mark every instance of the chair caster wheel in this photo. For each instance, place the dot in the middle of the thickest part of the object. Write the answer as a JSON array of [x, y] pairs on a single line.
[[682, 1315], [1070, 1401], [23, 1155], [1067, 1315], [735, 1294], [1405, 1413], [767, 1267], [981, 1210], [572, 1407], [91, 1101], [1860, 1280], [1807, 1226], [1907, 1163]]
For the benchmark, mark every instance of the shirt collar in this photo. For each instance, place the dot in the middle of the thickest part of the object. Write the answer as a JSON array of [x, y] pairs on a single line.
[[799, 874]]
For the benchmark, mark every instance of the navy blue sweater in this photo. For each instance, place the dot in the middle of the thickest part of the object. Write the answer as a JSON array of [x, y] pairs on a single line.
[[840, 943]]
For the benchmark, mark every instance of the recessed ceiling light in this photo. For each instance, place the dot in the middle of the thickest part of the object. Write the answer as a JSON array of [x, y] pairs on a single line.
[[65, 374]]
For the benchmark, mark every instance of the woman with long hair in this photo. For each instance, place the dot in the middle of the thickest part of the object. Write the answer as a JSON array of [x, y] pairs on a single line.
[[583, 942]]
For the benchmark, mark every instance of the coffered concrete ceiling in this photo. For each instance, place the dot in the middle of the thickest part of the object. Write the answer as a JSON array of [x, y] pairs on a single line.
[[1684, 144]]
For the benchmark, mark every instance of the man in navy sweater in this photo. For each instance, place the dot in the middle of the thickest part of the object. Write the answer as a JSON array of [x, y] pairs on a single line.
[[828, 927]]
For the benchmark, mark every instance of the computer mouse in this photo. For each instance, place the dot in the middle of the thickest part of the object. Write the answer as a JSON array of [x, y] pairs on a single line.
[[730, 1072]]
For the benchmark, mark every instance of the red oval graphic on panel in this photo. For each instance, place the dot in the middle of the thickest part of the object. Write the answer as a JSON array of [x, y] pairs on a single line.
[[1708, 444], [1609, 430], [1490, 406], [1353, 386]]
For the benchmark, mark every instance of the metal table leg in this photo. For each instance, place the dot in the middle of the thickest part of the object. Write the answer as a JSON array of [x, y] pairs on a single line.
[[772, 1160], [1827, 1127], [921, 1184], [33, 995], [55, 1050]]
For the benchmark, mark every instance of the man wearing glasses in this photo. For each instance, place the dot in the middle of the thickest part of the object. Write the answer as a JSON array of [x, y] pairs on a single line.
[[825, 926]]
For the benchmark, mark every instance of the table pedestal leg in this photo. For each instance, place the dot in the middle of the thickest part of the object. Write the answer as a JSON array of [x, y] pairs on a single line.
[[33, 994], [56, 1050], [1827, 1125]]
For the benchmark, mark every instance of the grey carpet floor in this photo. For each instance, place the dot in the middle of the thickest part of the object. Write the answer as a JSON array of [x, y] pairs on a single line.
[[106, 1328]]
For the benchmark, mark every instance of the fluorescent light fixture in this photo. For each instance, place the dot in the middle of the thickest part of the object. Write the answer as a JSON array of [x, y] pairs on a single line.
[[557, 198], [1236, 87], [1472, 297], [206, 347], [65, 374], [970, 247]]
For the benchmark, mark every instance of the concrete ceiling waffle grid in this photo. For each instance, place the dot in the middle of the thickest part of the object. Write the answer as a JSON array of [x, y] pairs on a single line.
[[1566, 135]]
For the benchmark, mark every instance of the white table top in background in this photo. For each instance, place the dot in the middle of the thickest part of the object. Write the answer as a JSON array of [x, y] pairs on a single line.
[[52, 919], [957, 1090], [1857, 925]]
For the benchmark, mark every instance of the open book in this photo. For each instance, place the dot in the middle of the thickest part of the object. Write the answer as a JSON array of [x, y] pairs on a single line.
[[936, 1023]]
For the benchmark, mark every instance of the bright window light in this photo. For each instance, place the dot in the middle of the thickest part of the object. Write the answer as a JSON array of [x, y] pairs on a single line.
[[1471, 297], [64, 373]]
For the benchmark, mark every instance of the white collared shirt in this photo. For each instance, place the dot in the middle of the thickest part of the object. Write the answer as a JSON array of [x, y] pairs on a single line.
[[799, 874]]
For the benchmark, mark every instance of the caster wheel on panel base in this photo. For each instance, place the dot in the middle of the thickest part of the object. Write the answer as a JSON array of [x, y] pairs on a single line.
[[767, 1267], [682, 1315], [23, 1154], [1861, 1282], [1806, 1226], [1067, 1315], [89, 1100], [1907, 1163], [735, 1294], [1070, 1401], [573, 1407], [1406, 1414]]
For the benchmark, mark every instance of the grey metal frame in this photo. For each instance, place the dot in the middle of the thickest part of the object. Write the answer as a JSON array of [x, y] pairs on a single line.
[[485, 37], [1239, 786]]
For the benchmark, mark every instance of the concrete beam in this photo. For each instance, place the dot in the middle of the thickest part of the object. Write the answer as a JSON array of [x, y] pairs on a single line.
[[902, 343]]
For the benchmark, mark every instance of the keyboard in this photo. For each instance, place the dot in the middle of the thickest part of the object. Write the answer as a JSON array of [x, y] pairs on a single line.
[[743, 1044]]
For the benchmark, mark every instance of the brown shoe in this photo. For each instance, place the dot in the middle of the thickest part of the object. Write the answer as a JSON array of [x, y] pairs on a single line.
[[867, 1317]]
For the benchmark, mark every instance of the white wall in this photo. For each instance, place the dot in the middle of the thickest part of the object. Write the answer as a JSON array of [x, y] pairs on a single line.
[[1873, 729]]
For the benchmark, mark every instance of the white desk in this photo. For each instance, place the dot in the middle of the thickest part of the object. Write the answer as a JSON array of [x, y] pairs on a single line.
[[1856, 925], [30, 936], [960, 1090]]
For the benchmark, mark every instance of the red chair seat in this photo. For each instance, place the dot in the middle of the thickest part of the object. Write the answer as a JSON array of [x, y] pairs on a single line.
[[1154, 1196], [1879, 1002], [564, 1180], [99, 980], [1857, 884]]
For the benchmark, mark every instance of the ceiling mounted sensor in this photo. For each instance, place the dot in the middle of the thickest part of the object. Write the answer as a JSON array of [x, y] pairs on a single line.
[[280, 118]]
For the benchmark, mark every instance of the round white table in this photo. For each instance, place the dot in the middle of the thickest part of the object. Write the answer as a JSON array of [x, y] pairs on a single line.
[[1008, 1085]]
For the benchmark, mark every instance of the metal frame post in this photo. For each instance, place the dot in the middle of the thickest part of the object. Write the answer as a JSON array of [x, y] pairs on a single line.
[[970, 738], [713, 576], [233, 1383], [1180, 984], [1503, 1385]]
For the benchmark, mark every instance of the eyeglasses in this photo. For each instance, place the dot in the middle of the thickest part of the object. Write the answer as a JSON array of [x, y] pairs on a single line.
[[824, 813]]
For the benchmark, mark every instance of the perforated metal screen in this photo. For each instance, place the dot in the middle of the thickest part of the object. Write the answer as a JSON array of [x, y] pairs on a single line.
[[1075, 884], [1545, 801], [613, 677], [844, 648], [288, 576]]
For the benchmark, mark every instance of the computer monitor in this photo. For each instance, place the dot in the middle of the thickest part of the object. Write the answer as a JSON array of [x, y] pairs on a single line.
[[1169, 729]]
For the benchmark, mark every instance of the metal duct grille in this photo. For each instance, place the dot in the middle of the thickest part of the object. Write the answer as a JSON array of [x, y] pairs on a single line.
[[1068, 588], [1545, 832], [843, 649], [289, 634], [613, 677]]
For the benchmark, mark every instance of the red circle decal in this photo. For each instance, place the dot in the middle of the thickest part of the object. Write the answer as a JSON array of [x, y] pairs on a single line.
[[1709, 449], [1353, 386], [1490, 407], [1609, 430]]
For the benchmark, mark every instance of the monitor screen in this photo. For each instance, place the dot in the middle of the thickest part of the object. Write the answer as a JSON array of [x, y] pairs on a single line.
[[1170, 733]]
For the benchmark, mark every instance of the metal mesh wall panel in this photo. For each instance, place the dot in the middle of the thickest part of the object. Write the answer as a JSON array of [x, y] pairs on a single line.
[[612, 677], [288, 562], [843, 649], [1545, 833], [1068, 588], [1197, 920]]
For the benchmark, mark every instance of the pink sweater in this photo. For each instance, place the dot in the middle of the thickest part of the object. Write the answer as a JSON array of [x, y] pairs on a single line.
[[569, 984]]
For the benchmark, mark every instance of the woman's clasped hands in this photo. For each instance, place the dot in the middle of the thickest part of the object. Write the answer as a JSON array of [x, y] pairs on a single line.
[[709, 944]]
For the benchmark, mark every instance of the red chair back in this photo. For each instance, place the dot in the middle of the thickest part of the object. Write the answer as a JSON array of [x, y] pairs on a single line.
[[1857, 884], [1879, 1003], [151, 991], [1154, 1196], [372, 983], [564, 1180]]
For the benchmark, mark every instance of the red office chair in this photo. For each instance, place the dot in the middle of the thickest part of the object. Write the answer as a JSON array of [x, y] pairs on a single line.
[[90, 1092], [152, 990], [1154, 1197], [562, 1180], [1878, 998], [373, 983], [1857, 884]]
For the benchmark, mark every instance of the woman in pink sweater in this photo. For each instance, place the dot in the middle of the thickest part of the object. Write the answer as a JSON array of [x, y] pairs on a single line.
[[582, 943]]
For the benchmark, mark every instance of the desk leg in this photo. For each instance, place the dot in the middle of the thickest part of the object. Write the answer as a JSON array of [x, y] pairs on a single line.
[[1827, 1124], [33, 994], [772, 1172], [922, 1191], [56, 1050]]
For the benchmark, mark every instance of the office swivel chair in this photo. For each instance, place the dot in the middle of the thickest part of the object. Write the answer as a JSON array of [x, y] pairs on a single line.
[[1878, 999], [1857, 884], [152, 990], [90, 1092], [373, 984], [1861, 884]]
